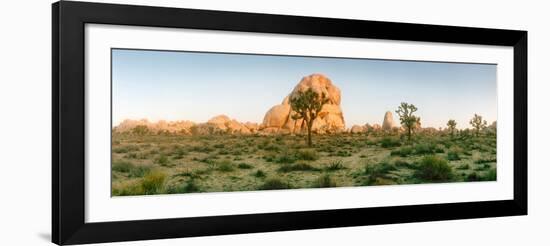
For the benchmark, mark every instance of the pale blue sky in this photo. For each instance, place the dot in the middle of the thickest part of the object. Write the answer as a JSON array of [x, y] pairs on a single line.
[[194, 86]]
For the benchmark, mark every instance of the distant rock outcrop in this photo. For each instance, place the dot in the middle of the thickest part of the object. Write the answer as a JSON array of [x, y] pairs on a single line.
[[358, 129], [180, 127], [388, 123], [330, 120]]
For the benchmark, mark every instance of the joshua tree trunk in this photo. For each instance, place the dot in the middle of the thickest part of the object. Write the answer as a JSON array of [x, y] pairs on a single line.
[[309, 125], [409, 133]]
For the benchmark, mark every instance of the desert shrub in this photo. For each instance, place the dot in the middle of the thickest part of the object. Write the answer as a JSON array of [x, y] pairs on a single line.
[[297, 167], [188, 187], [485, 160], [377, 171], [473, 177], [128, 189], [219, 146], [434, 168], [179, 154], [343, 153], [153, 182], [244, 166], [464, 166], [274, 184], [285, 157], [491, 175], [402, 163], [225, 166], [259, 174], [122, 166], [388, 142], [453, 156], [307, 155], [272, 147], [139, 171], [335, 165], [325, 181], [403, 151], [125, 149], [439, 149], [424, 149], [202, 149], [162, 160]]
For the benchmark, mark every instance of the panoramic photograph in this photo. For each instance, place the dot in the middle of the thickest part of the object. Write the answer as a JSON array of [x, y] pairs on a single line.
[[196, 122]]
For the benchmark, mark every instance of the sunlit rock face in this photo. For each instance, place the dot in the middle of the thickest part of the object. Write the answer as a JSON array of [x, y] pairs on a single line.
[[330, 119]]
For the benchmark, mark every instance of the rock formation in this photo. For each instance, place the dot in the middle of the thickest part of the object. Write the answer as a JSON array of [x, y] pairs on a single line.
[[330, 120], [180, 127], [388, 123], [216, 125], [358, 129]]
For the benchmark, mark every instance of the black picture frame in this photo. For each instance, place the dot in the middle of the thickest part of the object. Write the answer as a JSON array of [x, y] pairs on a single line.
[[68, 122]]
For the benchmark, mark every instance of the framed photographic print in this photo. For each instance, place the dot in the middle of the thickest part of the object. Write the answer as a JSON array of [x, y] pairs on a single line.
[[175, 122]]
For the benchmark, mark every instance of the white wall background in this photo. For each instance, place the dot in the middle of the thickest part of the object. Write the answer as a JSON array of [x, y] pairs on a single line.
[[25, 63]]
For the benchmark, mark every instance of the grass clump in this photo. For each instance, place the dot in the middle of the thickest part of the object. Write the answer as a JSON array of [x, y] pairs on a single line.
[[285, 157], [274, 184], [162, 160], [434, 169], [324, 181], [335, 166], [153, 183], [225, 166], [122, 166], [464, 166], [307, 155]]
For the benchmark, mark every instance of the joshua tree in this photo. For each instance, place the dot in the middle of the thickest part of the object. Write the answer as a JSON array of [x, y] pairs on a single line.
[[451, 124], [478, 123], [408, 120], [307, 105]]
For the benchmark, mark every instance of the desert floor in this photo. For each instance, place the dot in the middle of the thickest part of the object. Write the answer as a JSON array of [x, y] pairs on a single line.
[[169, 164]]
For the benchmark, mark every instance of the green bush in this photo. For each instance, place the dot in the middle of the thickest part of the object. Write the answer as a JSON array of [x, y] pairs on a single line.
[[274, 184], [453, 156], [188, 187], [435, 169], [225, 166], [259, 174], [244, 166], [388, 142], [139, 171], [377, 171], [424, 149], [285, 157], [464, 166], [122, 166], [485, 160], [403, 151]]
